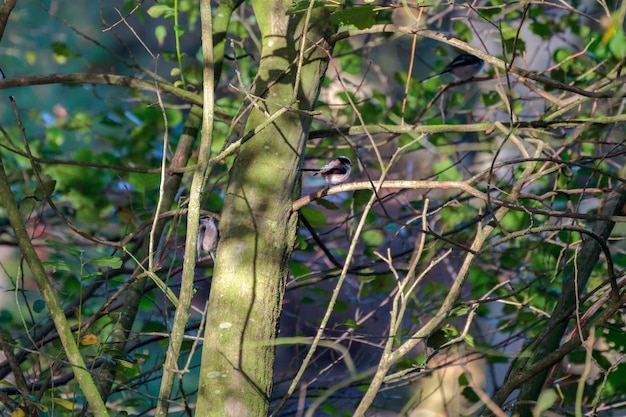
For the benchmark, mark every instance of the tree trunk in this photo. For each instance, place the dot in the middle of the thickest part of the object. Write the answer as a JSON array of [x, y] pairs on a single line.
[[258, 227]]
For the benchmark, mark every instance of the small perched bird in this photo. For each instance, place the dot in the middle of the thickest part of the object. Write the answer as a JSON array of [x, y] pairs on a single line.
[[208, 236], [463, 67], [335, 172]]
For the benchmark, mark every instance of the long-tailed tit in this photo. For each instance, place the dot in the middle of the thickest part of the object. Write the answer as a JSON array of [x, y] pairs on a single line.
[[463, 67], [208, 236], [335, 172]]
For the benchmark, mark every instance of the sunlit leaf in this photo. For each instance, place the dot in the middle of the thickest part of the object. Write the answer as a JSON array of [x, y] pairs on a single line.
[[447, 170], [89, 339], [617, 44], [67, 404], [62, 50], [18, 412], [6, 383]]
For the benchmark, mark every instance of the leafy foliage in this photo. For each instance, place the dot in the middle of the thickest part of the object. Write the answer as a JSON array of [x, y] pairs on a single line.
[[456, 272]]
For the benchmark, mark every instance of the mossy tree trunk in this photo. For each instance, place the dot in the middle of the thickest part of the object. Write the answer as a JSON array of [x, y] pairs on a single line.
[[258, 227]]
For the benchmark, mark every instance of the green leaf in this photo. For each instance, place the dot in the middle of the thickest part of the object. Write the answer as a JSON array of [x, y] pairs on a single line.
[[86, 277], [617, 44], [463, 31], [470, 395], [360, 199], [373, 237], [66, 248], [514, 220], [547, 398], [463, 381], [180, 30], [62, 50], [39, 305], [143, 182], [329, 408], [302, 6], [299, 269], [490, 98], [437, 339], [47, 186], [63, 403], [542, 28], [420, 359], [6, 317], [461, 312], [351, 323], [359, 17], [160, 32], [341, 307], [450, 331], [328, 205], [107, 262], [315, 217], [159, 10], [366, 278], [57, 265], [447, 171]]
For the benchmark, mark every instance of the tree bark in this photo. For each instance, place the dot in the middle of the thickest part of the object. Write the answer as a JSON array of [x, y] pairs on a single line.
[[258, 227]]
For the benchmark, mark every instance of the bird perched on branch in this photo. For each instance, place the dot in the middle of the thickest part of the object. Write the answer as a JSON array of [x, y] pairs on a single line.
[[463, 67], [208, 236], [335, 172]]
